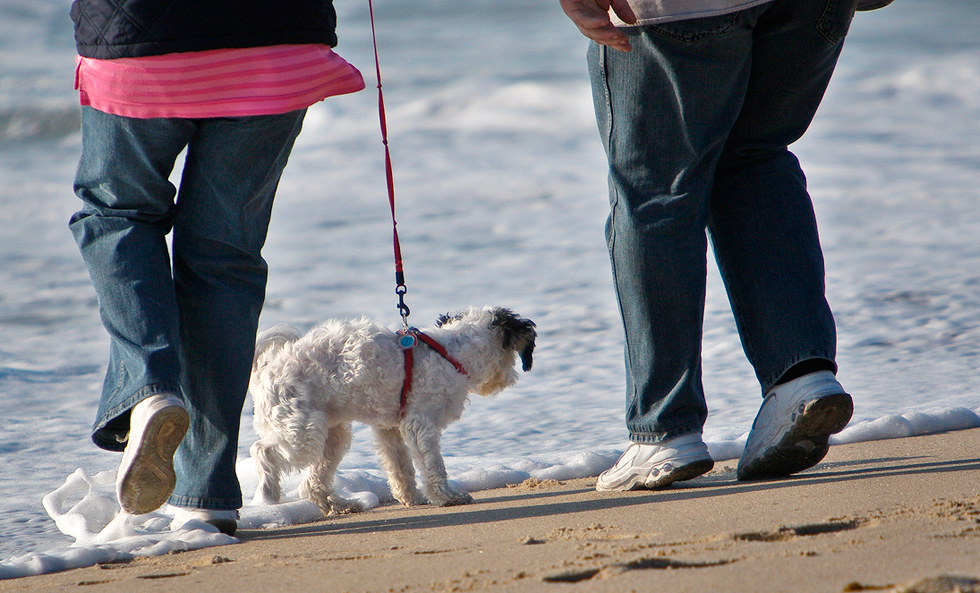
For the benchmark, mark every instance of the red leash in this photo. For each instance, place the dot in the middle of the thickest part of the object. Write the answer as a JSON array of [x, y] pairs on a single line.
[[400, 287], [408, 337]]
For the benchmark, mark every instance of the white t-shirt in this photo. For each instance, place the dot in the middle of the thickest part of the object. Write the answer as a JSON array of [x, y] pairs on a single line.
[[649, 12]]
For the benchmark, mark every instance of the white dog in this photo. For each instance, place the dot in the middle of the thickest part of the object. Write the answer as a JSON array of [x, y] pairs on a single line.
[[308, 390]]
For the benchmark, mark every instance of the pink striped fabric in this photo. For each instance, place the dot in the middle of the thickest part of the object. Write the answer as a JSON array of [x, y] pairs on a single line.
[[216, 83]]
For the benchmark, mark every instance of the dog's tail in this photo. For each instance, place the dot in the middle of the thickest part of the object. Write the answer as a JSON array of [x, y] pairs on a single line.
[[270, 342]]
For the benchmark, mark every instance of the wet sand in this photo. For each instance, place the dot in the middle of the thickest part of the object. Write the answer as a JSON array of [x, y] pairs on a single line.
[[892, 515]]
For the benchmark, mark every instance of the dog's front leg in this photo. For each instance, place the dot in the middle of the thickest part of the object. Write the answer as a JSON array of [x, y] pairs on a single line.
[[423, 441], [397, 463]]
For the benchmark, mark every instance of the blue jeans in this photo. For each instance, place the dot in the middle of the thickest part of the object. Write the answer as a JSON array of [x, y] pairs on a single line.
[[695, 122], [184, 325]]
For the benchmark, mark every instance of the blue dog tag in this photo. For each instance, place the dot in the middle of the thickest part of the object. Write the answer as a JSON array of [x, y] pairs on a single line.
[[407, 341]]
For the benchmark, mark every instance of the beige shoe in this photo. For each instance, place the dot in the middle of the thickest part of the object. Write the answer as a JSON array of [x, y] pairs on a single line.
[[146, 477]]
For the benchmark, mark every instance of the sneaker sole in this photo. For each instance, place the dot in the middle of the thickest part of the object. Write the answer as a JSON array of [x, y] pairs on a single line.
[[806, 443], [150, 478], [662, 479], [225, 526]]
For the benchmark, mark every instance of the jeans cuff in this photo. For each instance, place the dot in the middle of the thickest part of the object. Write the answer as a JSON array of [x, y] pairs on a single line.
[[655, 438], [211, 504]]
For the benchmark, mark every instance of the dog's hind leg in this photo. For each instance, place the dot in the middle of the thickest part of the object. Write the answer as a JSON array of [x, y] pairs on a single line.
[[270, 465], [423, 441], [397, 463], [317, 486]]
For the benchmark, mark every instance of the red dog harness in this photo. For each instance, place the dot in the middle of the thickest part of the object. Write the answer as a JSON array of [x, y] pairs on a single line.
[[408, 339]]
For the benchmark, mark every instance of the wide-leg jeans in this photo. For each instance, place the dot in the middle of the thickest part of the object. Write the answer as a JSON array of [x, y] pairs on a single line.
[[696, 122], [183, 323]]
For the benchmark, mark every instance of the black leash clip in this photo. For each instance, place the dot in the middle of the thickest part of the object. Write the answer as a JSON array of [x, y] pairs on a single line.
[[400, 290]]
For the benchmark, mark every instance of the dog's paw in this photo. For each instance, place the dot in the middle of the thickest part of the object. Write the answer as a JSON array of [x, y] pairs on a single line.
[[412, 499], [453, 498], [343, 506]]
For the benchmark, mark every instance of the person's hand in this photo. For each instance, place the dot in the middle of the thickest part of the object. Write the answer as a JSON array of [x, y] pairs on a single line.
[[592, 19]]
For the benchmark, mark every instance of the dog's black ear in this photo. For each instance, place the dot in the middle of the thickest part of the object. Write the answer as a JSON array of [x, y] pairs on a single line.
[[518, 334], [526, 354]]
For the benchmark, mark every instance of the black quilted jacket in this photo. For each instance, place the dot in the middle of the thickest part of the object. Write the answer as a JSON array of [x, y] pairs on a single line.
[[106, 29]]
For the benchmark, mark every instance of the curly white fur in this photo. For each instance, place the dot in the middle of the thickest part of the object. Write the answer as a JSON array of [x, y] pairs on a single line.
[[308, 389]]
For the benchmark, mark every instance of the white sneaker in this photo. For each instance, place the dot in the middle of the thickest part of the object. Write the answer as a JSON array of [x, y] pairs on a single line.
[[225, 521], [791, 431], [656, 466], [146, 477]]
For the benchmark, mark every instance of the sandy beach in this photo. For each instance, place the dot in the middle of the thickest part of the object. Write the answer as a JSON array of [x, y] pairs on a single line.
[[884, 515]]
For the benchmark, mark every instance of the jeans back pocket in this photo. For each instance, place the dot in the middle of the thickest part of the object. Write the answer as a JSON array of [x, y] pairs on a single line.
[[694, 30], [835, 20]]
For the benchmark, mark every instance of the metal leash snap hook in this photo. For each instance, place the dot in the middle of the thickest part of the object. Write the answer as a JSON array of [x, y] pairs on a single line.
[[400, 290]]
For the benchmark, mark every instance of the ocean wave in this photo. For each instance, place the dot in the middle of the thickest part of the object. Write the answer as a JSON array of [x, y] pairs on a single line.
[[32, 124]]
